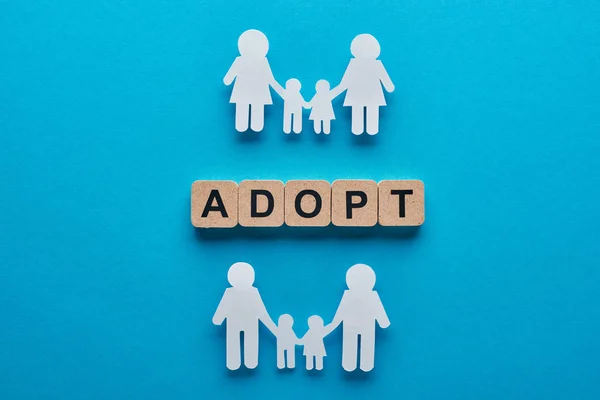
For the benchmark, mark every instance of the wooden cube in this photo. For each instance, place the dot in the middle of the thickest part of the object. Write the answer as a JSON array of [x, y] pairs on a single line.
[[354, 203], [401, 203], [214, 204], [307, 203], [261, 203]]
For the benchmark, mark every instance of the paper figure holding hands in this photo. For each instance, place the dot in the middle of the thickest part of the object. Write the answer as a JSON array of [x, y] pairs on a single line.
[[242, 307], [314, 348], [293, 102], [322, 109], [362, 82], [286, 342], [253, 78], [359, 310]]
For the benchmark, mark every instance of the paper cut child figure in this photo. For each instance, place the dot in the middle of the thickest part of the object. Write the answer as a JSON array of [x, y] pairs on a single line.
[[293, 102], [362, 81], [314, 348], [243, 308], [286, 342], [359, 309], [253, 77], [322, 110]]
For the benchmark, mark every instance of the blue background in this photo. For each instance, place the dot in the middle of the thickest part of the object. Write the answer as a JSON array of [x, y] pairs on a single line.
[[110, 109]]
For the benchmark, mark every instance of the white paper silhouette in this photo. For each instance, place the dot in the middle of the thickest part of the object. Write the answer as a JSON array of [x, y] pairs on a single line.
[[242, 307], [362, 82], [358, 311], [314, 348], [322, 109], [253, 77], [293, 102], [286, 342]]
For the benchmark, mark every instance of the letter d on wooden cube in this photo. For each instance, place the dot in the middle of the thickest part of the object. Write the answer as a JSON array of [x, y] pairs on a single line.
[[214, 204], [261, 203], [401, 203], [354, 203]]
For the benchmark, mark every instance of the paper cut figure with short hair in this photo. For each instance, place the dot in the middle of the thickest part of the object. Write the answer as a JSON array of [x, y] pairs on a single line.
[[359, 310], [253, 78], [322, 110], [314, 348], [362, 82], [286, 342], [242, 307], [293, 102]]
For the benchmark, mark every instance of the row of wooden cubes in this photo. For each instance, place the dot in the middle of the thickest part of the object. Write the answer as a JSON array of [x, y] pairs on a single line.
[[262, 203]]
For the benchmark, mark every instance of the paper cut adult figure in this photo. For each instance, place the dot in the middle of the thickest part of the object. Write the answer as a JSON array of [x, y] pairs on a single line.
[[358, 311], [253, 77], [286, 342], [243, 307], [362, 81]]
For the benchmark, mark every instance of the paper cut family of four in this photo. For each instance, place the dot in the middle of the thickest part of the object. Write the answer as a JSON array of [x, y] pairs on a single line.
[[359, 310], [252, 78]]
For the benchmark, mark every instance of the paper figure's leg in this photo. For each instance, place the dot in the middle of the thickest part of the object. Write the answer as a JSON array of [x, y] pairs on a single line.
[[358, 120], [280, 357], [367, 351], [291, 357], [251, 348], [317, 124], [297, 122], [349, 350], [232, 349], [287, 122], [319, 363], [241, 117], [372, 120], [257, 117], [309, 362], [326, 126]]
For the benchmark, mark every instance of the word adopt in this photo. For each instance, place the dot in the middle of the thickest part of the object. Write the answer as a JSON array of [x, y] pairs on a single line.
[[271, 203]]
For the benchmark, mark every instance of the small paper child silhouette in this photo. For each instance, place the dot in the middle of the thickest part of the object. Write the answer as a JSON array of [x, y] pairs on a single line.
[[322, 110], [292, 106], [286, 342], [314, 348]]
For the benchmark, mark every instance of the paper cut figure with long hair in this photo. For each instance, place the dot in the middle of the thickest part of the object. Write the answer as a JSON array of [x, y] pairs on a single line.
[[359, 310], [242, 307], [362, 82], [253, 78], [314, 348]]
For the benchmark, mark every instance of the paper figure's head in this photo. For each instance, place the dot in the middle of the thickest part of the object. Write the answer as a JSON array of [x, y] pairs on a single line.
[[315, 322], [285, 320], [241, 275], [293, 85], [253, 43], [365, 46], [360, 277], [322, 86]]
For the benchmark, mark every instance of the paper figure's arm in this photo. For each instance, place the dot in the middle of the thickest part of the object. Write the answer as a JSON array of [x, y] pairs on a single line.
[[263, 315], [380, 314], [232, 73], [336, 91], [339, 315], [272, 82], [222, 309], [385, 80]]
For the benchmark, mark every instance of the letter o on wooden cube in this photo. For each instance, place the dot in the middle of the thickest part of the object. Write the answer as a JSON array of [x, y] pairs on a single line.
[[401, 203], [307, 203], [261, 203], [354, 203], [214, 204]]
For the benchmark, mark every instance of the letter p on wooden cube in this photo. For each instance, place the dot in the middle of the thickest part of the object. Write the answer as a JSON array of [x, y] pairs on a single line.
[[401, 203], [214, 204]]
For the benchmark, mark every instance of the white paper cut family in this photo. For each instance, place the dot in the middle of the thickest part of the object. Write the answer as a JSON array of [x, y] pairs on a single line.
[[252, 79], [359, 310]]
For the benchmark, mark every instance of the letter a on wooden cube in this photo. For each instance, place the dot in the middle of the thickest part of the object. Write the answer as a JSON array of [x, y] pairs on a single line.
[[214, 204], [354, 203], [401, 203], [261, 203], [307, 203]]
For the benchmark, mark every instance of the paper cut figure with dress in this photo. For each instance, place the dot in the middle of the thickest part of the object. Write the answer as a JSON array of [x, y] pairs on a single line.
[[286, 342], [322, 110], [359, 310], [293, 102], [362, 82], [314, 348], [253, 78], [242, 307]]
